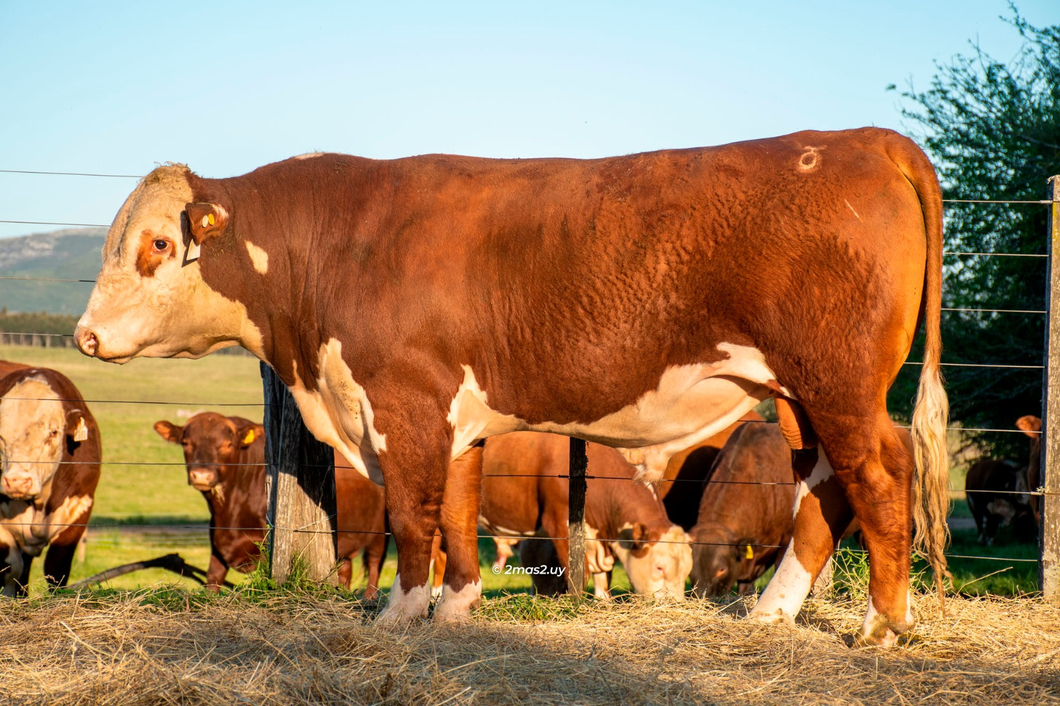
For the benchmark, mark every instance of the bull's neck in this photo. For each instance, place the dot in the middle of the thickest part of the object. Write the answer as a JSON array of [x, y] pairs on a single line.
[[286, 291]]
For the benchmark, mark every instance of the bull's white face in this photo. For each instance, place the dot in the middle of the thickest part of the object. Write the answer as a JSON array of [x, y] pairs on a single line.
[[33, 434], [150, 298], [658, 568]]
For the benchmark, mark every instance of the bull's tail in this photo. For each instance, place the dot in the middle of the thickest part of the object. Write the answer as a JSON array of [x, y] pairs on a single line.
[[931, 480]]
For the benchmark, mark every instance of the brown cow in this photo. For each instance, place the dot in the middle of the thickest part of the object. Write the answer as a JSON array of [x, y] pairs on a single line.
[[646, 302], [681, 488], [745, 512], [522, 491], [225, 458], [996, 491], [51, 452]]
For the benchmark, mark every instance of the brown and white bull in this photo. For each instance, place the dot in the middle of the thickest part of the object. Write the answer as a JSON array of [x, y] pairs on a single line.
[[51, 452], [646, 302], [225, 459]]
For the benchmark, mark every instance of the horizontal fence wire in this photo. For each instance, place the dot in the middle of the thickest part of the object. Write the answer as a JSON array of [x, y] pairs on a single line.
[[494, 536]]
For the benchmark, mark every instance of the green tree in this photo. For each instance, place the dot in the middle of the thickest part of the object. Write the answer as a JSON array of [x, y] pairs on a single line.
[[993, 132]]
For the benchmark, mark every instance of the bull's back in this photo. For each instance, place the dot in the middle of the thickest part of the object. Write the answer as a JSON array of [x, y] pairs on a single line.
[[582, 248]]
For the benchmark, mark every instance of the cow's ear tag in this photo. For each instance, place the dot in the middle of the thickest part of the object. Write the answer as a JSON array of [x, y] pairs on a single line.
[[249, 438], [81, 432], [193, 251], [750, 553]]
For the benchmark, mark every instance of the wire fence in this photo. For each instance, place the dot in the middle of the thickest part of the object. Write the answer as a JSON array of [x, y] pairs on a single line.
[[65, 340]]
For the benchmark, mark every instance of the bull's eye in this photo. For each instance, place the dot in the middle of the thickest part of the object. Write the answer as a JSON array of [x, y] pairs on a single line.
[[160, 245]]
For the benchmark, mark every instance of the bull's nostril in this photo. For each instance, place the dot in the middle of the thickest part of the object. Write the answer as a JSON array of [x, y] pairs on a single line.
[[86, 341]]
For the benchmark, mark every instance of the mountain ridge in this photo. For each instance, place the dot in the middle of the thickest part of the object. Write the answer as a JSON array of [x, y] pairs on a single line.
[[66, 254]]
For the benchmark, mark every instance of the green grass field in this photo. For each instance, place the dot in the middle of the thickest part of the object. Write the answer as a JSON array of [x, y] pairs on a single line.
[[143, 486]]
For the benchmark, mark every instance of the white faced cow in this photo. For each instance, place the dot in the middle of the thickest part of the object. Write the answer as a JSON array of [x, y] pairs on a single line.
[[50, 449], [645, 302]]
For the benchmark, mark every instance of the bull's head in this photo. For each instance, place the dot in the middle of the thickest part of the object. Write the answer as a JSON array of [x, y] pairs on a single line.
[[150, 298], [213, 446], [657, 562], [35, 431]]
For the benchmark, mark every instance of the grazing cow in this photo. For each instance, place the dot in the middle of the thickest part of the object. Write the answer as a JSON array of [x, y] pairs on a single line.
[[522, 492], [51, 453], [225, 457], [996, 491], [646, 302], [745, 517], [687, 472]]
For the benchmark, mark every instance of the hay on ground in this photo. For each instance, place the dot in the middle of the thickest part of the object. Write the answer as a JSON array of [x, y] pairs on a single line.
[[160, 647]]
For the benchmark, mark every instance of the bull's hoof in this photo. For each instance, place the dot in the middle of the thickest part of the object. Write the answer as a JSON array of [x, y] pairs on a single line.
[[771, 617], [881, 632], [404, 608], [456, 606]]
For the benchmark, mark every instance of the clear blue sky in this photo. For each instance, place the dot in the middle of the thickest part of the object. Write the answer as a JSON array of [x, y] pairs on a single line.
[[225, 87]]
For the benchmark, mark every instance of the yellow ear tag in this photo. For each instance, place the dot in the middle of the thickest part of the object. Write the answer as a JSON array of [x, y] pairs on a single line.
[[750, 554], [210, 218], [249, 438], [81, 432]]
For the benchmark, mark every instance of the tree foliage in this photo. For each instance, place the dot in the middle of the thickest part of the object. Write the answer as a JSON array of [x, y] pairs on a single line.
[[993, 132]]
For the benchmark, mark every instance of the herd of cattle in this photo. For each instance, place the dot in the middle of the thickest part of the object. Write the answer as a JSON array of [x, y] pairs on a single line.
[[721, 515]]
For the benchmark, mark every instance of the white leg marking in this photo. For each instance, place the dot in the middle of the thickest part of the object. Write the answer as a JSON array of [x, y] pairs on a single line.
[[403, 607], [787, 590], [455, 606]]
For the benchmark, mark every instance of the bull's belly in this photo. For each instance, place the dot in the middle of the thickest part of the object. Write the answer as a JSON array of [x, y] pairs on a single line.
[[690, 403]]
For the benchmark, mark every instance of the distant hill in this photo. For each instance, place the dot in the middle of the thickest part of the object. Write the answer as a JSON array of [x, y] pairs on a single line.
[[62, 254]]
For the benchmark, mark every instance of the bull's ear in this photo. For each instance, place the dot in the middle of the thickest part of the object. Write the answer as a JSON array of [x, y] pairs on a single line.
[[76, 427], [1030, 425], [203, 220], [170, 432]]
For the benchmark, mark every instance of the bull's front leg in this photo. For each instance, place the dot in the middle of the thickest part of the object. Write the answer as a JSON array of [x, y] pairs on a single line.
[[414, 465], [462, 589]]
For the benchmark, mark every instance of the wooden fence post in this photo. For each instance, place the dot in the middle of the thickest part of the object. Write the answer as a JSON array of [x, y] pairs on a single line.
[[1049, 532], [576, 519], [301, 489]]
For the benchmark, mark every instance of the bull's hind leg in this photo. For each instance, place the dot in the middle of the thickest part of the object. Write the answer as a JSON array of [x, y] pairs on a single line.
[[879, 485], [462, 588], [820, 515], [876, 470]]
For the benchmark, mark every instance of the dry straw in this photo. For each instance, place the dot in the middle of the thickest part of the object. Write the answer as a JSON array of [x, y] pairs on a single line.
[[165, 646]]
